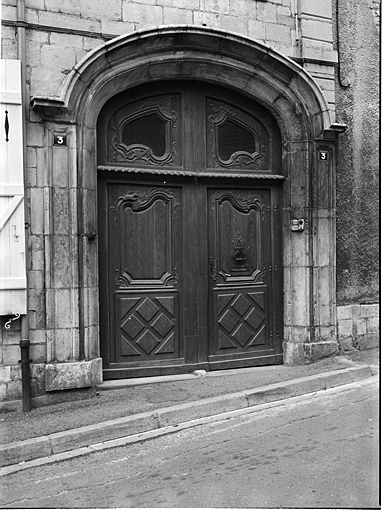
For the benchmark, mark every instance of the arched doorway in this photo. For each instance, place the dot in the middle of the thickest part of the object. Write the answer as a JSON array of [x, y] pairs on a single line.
[[259, 75], [190, 239]]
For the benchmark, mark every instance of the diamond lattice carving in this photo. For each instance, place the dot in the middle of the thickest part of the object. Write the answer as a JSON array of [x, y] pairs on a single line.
[[254, 318], [258, 298], [241, 321], [225, 342], [223, 300], [147, 309], [162, 325], [132, 326], [259, 339], [228, 321], [127, 348], [242, 335], [168, 346], [168, 303], [241, 305], [127, 304], [148, 342]]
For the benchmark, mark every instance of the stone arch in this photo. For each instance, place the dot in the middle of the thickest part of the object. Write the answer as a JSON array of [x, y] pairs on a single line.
[[254, 70], [184, 52]]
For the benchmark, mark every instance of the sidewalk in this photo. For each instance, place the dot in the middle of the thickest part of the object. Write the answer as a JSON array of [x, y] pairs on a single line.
[[147, 404]]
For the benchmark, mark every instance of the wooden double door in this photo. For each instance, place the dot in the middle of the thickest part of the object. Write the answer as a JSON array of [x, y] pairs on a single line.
[[190, 246]]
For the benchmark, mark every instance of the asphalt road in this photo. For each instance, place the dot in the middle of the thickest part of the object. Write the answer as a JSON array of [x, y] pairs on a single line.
[[319, 453]]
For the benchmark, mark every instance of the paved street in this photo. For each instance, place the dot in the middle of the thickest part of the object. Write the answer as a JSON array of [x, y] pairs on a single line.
[[321, 452]]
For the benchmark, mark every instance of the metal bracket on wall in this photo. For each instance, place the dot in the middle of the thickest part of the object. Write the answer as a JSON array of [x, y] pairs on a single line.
[[7, 325], [90, 236], [298, 225]]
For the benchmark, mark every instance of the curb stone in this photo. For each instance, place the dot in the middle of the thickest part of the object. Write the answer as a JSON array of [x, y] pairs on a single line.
[[81, 438]]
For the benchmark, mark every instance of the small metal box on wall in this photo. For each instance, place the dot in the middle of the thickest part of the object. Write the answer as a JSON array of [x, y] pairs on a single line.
[[12, 233]]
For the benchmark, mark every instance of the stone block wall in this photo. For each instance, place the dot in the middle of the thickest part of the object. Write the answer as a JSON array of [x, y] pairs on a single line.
[[358, 172], [10, 374], [358, 326], [358, 168], [60, 33]]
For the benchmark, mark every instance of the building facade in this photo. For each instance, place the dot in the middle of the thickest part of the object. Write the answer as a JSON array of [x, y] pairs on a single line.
[[196, 177]]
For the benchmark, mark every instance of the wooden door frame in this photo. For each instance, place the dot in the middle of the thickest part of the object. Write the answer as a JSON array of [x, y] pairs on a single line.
[[252, 69]]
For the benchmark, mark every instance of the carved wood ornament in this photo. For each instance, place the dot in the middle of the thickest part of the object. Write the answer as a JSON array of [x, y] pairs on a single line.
[[224, 114], [133, 203], [240, 246], [159, 110]]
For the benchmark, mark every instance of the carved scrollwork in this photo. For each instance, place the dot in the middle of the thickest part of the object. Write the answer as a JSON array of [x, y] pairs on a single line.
[[122, 280], [258, 276], [237, 252], [126, 280], [242, 205], [223, 113], [239, 159], [171, 280], [164, 107], [140, 153], [137, 203], [144, 201]]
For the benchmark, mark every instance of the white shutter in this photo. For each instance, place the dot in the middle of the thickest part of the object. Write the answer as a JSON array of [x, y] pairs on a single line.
[[12, 234]]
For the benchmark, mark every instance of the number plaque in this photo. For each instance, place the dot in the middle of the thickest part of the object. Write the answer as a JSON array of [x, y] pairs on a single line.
[[59, 140]]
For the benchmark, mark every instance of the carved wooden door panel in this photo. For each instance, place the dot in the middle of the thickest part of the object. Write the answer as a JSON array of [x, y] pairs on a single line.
[[241, 315], [189, 231], [143, 226]]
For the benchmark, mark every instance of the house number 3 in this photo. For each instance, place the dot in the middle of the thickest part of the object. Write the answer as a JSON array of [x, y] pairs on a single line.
[[59, 140], [323, 155]]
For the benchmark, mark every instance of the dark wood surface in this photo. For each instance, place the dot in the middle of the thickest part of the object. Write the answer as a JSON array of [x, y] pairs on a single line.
[[190, 264]]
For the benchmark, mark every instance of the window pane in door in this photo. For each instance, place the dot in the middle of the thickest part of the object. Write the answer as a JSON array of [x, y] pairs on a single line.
[[233, 137], [149, 130]]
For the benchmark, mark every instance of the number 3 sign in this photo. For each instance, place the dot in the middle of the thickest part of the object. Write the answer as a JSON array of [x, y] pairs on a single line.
[[59, 140]]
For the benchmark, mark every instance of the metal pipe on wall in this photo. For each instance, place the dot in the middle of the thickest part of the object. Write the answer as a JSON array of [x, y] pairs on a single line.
[[24, 341]]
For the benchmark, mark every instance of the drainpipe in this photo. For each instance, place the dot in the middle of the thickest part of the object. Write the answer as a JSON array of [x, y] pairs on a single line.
[[295, 14], [345, 82], [24, 341]]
